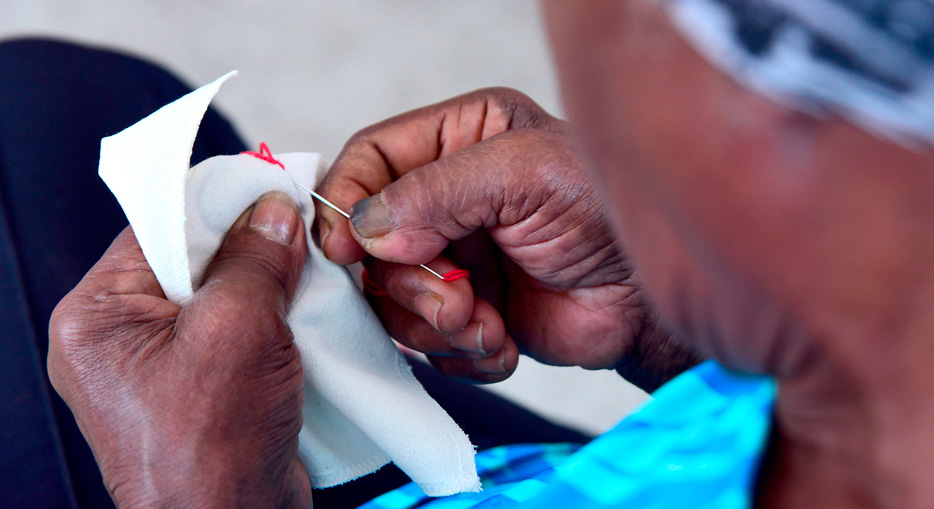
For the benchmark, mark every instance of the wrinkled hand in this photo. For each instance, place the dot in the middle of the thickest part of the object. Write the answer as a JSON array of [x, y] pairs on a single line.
[[197, 405], [491, 183]]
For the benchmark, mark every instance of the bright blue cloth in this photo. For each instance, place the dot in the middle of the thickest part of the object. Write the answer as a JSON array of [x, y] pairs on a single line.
[[696, 444]]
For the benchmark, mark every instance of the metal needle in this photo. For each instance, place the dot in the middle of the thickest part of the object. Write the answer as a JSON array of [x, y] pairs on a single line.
[[330, 205]]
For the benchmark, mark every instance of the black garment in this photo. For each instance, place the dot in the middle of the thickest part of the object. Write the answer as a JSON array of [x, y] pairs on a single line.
[[56, 219], [57, 101]]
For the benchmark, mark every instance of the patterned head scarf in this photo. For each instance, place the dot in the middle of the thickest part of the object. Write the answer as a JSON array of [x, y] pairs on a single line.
[[870, 61]]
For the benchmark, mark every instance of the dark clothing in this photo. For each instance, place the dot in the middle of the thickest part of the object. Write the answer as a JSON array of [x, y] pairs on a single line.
[[57, 217]]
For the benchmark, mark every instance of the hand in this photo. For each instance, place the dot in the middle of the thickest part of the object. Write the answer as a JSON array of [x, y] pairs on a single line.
[[195, 405], [493, 182]]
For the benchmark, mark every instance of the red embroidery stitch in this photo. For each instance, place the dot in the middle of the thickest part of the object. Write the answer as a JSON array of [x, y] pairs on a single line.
[[265, 154], [455, 274], [370, 286]]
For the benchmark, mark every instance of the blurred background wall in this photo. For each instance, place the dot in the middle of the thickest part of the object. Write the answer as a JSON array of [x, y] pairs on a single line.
[[313, 72]]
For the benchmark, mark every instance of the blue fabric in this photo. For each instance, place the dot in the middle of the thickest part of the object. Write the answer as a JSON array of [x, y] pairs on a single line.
[[696, 444]]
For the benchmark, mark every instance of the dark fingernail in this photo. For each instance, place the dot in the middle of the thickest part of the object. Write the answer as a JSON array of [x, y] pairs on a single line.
[[428, 305], [469, 339], [495, 365], [275, 216], [370, 217]]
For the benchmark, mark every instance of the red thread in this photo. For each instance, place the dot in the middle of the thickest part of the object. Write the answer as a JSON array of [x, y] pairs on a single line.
[[455, 274], [370, 286], [265, 154]]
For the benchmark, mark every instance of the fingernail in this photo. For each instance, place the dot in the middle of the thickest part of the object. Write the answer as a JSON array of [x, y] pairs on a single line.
[[469, 339], [428, 305], [324, 229], [275, 216], [370, 217], [495, 365]]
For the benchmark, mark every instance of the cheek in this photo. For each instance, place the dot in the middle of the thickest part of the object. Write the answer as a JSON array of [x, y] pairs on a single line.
[[716, 312], [667, 139], [673, 279], [687, 235]]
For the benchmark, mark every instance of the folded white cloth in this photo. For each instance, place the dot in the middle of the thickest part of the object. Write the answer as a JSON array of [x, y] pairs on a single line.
[[363, 408]]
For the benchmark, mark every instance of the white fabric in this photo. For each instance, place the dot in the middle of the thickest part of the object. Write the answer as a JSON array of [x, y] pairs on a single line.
[[362, 407]]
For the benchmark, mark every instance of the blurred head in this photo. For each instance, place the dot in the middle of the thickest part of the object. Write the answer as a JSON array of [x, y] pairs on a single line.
[[771, 234]]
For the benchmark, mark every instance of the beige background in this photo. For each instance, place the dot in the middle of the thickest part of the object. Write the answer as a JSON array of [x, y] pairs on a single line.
[[314, 72]]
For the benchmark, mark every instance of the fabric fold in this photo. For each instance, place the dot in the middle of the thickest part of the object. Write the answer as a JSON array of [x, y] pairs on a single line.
[[363, 407]]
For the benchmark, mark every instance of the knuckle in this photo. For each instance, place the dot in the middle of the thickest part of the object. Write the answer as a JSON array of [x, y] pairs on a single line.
[[505, 95], [409, 196], [358, 138], [271, 324], [246, 262], [523, 111], [238, 318], [63, 321], [76, 326], [364, 138], [267, 326], [80, 317]]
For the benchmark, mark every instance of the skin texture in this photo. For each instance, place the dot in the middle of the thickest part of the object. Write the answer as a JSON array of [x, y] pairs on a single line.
[[195, 406], [491, 183], [775, 242]]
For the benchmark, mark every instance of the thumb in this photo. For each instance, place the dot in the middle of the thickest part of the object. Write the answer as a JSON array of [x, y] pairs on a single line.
[[488, 184], [256, 270]]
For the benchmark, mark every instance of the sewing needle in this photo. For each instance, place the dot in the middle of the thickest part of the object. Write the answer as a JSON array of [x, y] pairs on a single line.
[[330, 205]]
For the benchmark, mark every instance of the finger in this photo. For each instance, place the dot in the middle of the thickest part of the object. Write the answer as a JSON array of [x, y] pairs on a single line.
[[494, 183], [494, 368], [253, 276], [379, 154], [482, 334], [446, 305]]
